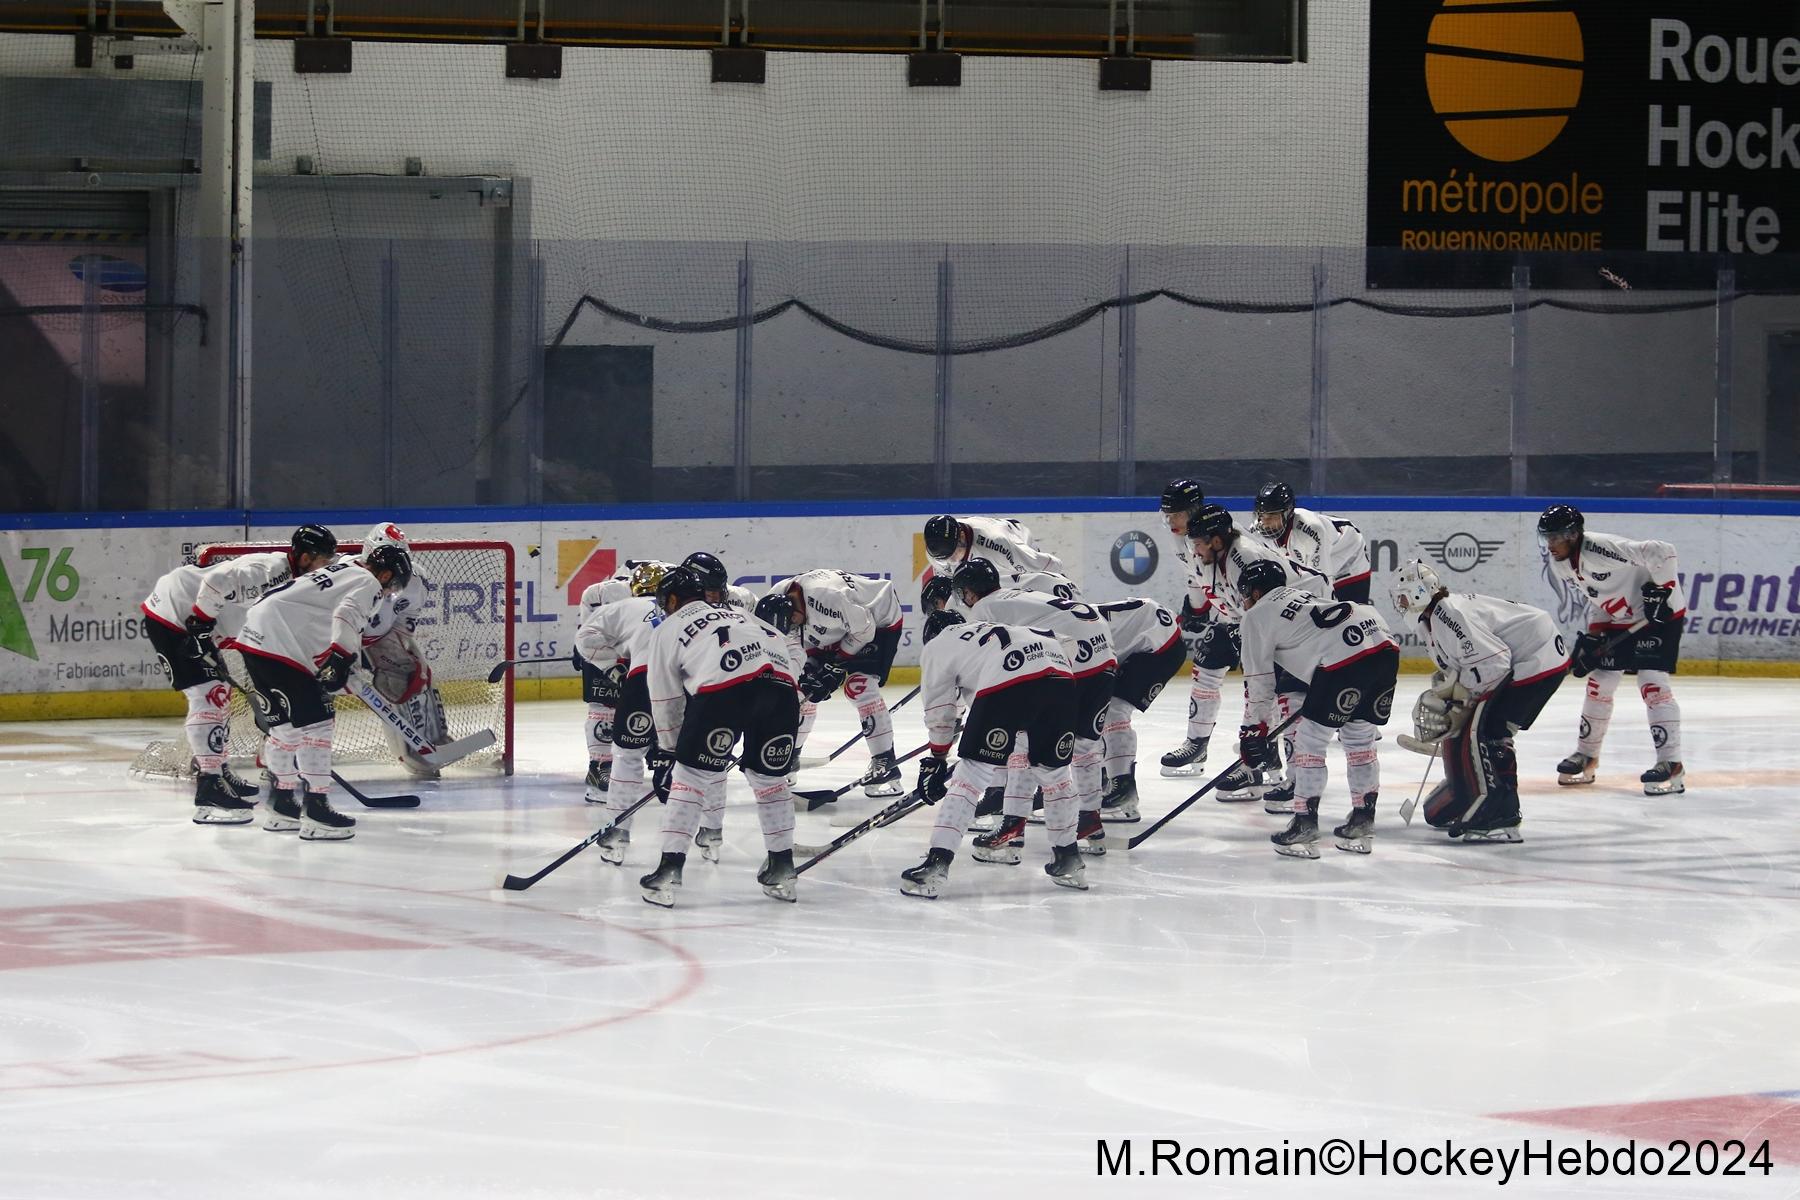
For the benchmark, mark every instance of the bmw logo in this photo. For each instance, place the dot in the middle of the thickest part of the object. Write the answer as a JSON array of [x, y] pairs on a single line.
[[1134, 557]]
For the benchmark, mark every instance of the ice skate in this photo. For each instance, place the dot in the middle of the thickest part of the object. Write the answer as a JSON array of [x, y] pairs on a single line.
[[987, 810], [1067, 869], [1356, 835], [1244, 785], [1299, 839], [883, 776], [1576, 769], [237, 783], [1002, 845], [216, 804], [926, 879], [1280, 798], [659, 885], [1120, 803], [1088, 834], [777, 875], [599, 778], [1665, 779], [709, 841], [1505, 834], [613, 844], [319, 822], [283, 811], [1185, 759]]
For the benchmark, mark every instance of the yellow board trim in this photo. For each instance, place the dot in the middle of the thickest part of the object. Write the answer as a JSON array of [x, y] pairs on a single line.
[[82, 706]]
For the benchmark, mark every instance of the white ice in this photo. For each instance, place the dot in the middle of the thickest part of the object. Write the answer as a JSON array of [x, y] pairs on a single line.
[[201, 1012]]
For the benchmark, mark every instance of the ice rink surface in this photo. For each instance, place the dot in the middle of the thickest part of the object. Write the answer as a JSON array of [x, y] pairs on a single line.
[[192, 1011]]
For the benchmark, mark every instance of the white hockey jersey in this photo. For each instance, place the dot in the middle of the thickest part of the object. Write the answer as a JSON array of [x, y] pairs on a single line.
[[1007, 544], [1329, 545], [875, 595], [702, 647], [604, 592], [834, 618], [1139, 626], [189, 590], [619, 632], [1479, 640], [302, 621], [1219, 581], [1079, 627], [1612, 571], [966, 661], [1293, 629], [397, 611], [740, 598]]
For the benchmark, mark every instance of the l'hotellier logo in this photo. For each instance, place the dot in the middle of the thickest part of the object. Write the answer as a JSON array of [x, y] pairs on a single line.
[[1504, 82]]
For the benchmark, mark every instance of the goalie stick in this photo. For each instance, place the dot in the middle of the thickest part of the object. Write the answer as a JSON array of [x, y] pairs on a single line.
[[821, 797], [1214, 782], [434, 756], [1406, 807]]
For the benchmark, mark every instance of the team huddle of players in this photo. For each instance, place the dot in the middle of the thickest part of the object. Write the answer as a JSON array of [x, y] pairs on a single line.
[[686, 676]]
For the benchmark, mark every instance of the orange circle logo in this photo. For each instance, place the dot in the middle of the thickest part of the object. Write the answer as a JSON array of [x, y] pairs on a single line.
[[1504, 82]]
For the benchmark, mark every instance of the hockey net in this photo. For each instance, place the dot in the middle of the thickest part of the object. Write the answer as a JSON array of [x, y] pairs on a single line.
[[464, 628]]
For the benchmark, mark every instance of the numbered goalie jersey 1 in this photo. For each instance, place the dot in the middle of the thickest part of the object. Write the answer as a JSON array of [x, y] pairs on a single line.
[[700, 649], [1293, 629], [303, 620], [966, 663], [203, 591], [1480, 640]]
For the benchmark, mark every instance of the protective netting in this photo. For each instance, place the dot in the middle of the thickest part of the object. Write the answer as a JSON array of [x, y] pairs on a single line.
[[464, 628]]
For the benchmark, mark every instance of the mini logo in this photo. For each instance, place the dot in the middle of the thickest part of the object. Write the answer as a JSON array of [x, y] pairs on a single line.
[[1462, 551], [997, 739], [719, 741], [1347, 700], [1013, 660], [1134, 557]]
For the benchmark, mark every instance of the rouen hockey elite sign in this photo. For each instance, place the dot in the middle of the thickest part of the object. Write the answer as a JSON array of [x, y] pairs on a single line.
[[1596, 128]]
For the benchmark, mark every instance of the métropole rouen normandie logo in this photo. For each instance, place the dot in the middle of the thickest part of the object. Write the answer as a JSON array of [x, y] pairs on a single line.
[[1581, 136]]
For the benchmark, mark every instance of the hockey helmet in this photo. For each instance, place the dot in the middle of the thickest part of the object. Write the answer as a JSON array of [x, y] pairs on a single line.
[[1560, 525], [977, 575], [1183, 495], [646, 577], [1274, 507], [680, 584], [1413, 590], [390, 558], [386, 534], [311, 539], [1258, 579], [943, 536], [1209, 521], [712, 573], [936, 593], [937, 622], [776, 609]]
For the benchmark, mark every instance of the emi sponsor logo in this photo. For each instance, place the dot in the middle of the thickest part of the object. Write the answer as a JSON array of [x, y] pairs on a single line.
[[1462, 552]]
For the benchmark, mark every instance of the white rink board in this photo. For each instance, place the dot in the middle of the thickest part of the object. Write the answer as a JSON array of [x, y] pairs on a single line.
[[68, 610]]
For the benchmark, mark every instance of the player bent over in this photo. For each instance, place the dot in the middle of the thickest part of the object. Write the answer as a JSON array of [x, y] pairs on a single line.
[[1498, 665], [1624, 583], [1329, 545], [599, 683], [180, 614], [617, 634], [952, 541], [313, 623], [1017, 681], [717, 582], [718, 674], [850, 627], [1351, 661], [1148, 642]]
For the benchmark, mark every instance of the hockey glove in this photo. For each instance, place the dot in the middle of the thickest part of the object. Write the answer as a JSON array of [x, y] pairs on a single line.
[[1255, 746], [662, 772], [1191, 621], [1585, 658], [577, 662], [334, 676], [203, 626], [934, 778], [820, 679], [1656, 604]]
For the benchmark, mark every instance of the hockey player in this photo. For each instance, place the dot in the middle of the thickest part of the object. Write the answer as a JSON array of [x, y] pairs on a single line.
[[1181, 497], [1349, 661], [850, 629], [1498, 665], [180, 614], [1016, 680], [299, 644], [599, 683], [1329, 545], [1147, 640], [1221, 552], [1082, 632], [718, 674], [1636, 611], [618, 635], [1004, 542], [397, 665], [717, 582]]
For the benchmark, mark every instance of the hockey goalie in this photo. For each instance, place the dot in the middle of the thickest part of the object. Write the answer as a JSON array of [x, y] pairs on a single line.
[[397, 666]]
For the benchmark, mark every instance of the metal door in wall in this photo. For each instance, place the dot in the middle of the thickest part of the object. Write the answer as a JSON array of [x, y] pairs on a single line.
[[1781, 445]]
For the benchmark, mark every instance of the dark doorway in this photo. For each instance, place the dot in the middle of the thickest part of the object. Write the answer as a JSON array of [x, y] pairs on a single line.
[[599, 415]]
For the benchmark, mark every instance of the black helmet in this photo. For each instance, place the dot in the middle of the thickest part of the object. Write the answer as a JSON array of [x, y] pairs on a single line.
[[683, 584], [942, 536], [777, 610], [311, 539], [712, 573], [1561, 519], [391, 558], [1210, 521], [937, 622], [1182, 495], [937, 590], [1274, 498], [1260, 578], [978, 576]]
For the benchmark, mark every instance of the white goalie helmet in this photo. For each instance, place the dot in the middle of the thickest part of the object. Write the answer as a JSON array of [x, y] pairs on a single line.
[[1413, 589], [386, 533]]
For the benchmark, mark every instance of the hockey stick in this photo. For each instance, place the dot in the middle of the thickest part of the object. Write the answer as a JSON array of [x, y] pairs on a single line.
[[505, 665], [822, 797], [1214, 782], [375, 801], [861, 734], [900, 808], [1406, 807], [1611, 644], [518, 883]]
